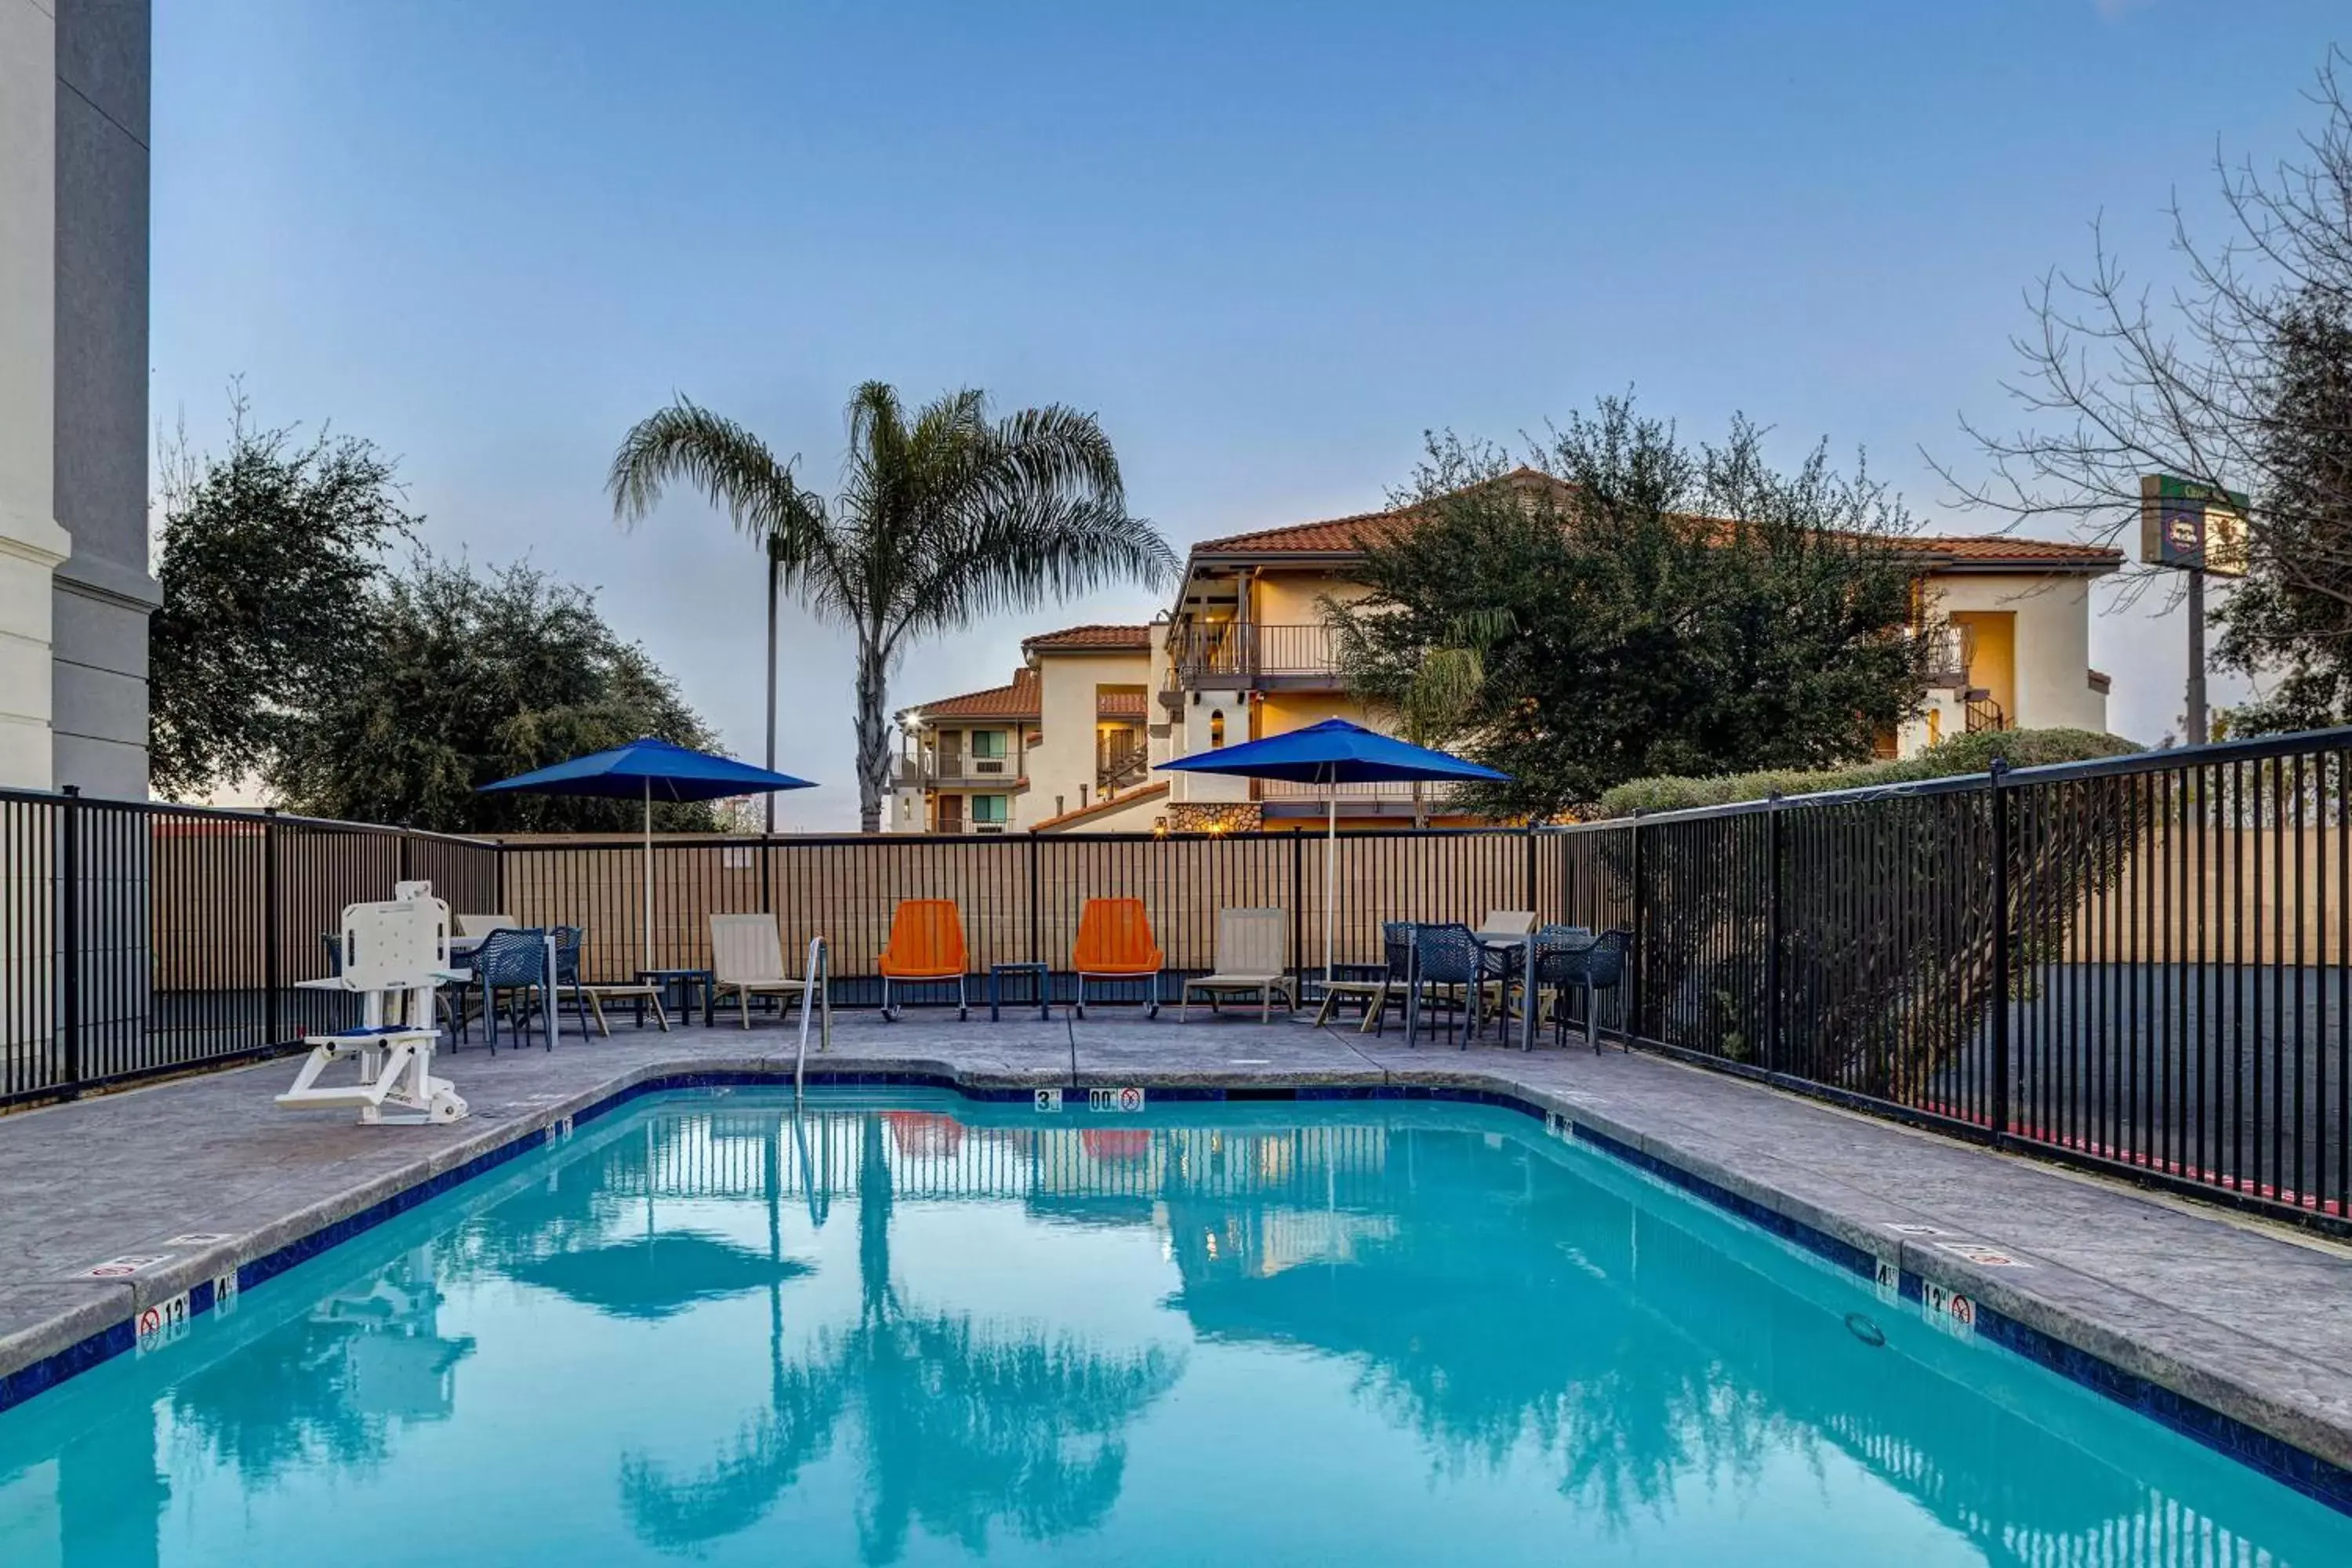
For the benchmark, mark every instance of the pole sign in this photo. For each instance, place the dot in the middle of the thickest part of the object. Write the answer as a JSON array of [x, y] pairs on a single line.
[[2192, 527]]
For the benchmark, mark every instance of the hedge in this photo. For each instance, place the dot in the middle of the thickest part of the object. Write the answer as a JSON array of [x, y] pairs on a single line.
[[1971, 754]]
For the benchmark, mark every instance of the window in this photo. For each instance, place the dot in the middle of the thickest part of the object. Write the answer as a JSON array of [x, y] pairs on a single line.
[[988, 743], [989, 808], [1217, 727]]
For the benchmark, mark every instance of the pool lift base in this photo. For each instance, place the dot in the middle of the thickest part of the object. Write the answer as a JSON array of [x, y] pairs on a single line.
[[392, 955]]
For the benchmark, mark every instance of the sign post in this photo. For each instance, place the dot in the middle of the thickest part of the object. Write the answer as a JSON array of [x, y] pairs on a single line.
[[2188, 526]]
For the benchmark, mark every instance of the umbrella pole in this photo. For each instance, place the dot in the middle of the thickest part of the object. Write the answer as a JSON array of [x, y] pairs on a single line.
[[1330, 878], [649, 874]]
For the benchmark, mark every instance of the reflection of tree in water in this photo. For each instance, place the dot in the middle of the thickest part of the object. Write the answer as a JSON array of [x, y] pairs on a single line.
[[1499, 1324], [960, 1424], [735, 1490], [968, 1424], [1514, 1308], [330, 1388]]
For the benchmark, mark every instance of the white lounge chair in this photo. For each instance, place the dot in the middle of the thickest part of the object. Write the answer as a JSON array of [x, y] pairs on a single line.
[[747, 958], [482, 925], [1252, 945]]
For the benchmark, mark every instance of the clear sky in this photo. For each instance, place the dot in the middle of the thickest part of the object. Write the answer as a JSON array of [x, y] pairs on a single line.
[[1268, 245]]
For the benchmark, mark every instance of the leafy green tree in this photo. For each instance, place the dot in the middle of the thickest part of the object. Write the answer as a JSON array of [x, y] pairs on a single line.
[[1431, 695], [943, 517], [2289, 623], [272, 553], [463, 675], [1639, 607]]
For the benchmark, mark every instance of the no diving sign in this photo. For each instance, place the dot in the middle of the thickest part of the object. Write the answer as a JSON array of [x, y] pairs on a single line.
[[1123, 1102]]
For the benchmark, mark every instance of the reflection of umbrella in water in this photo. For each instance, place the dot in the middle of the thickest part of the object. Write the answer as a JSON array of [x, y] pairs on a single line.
[[656, 1276]]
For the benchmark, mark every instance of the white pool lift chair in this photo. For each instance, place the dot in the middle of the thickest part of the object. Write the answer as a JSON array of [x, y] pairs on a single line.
[[394, 954]]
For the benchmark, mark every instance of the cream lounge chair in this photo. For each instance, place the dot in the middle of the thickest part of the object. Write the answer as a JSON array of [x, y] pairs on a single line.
[[747, 958], [1251, 947], [482, 925]]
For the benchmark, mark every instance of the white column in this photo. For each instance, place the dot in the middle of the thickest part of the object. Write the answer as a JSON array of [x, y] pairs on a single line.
[[31, 542]]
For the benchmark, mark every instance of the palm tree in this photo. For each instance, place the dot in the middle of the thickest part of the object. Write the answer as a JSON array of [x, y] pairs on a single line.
[[941, 519]]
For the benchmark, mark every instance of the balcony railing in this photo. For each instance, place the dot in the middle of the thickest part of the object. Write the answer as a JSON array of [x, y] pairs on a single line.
[[1121, 765], [1245, 653], [1949, 650], [958, 773], [1433, 794]]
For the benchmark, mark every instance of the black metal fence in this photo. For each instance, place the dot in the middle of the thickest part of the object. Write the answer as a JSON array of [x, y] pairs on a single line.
[[140, 937], [2140, 964], [2143, 964]]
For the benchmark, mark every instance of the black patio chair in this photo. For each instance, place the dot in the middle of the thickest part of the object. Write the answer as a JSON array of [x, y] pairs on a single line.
[[513, 959], [567, 973], [1594, 967], [1447, 970]]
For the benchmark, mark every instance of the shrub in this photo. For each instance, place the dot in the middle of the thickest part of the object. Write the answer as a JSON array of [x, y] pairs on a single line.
[[1971, 754]]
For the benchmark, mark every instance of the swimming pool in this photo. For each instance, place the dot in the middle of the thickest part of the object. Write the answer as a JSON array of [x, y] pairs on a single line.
[[920, 1330]]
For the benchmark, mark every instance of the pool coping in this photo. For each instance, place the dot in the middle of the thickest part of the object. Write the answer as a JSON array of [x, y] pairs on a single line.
[[2298, 1447]]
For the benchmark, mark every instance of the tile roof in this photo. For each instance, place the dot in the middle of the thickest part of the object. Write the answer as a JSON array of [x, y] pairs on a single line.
[[1118, 704], [1092, 638], [1018, 700], [1974, 548], [1354, 534]]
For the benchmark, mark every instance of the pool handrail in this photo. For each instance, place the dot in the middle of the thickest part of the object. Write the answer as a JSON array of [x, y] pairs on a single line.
[[818, 969]]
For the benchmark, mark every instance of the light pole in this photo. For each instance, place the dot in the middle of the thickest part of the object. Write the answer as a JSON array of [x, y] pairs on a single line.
[[774, 573], [2200, 729]]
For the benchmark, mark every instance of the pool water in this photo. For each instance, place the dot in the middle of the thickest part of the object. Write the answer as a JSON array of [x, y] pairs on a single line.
[[707, 1328]]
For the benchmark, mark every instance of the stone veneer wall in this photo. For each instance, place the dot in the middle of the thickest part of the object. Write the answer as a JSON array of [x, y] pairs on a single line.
[[1236, 817]]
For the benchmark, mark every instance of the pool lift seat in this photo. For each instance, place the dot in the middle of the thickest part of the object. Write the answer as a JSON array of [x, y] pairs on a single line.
[[393, 954]]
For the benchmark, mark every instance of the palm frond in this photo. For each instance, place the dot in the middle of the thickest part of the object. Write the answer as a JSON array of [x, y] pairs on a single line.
[[1020, 556], [733, 469]]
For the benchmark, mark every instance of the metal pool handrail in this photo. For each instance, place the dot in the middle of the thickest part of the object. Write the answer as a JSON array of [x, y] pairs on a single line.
[[818, 969]]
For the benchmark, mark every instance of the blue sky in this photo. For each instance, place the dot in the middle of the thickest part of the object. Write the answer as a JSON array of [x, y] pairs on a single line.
[[1268, 245]]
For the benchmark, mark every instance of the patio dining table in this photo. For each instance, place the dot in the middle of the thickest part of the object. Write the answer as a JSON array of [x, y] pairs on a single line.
[[461, 953], [1526, 947]]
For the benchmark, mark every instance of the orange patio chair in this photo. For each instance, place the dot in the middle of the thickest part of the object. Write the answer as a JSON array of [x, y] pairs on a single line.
[[1114, 942], [925, 943]]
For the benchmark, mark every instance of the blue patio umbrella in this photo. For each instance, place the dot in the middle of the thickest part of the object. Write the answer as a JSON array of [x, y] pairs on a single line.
[[649, 770], [1332, 754]]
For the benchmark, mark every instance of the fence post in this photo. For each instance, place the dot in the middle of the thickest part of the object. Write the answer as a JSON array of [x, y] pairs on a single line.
[[406, 875], [1529, 886], [2000, 1084], [1772, 1038], [1297, 930], [767, 888], [270, 927], [1034, 913], [69, 942], [1633, 956]]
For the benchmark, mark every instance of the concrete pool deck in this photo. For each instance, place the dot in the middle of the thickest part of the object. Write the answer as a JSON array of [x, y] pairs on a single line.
[[205, 1174]]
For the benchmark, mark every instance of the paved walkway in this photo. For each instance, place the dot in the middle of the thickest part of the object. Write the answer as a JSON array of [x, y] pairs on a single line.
[[2244, 1318]]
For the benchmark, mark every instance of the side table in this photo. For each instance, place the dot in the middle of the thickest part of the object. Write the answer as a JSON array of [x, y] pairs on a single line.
[[684, 981], [1040, 977]]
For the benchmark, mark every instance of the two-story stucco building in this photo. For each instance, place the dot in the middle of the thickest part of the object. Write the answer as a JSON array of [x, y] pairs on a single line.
[[1054, 747], [1245, 652]]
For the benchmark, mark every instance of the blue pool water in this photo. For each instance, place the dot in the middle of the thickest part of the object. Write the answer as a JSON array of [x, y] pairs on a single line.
[[925, 1331]]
